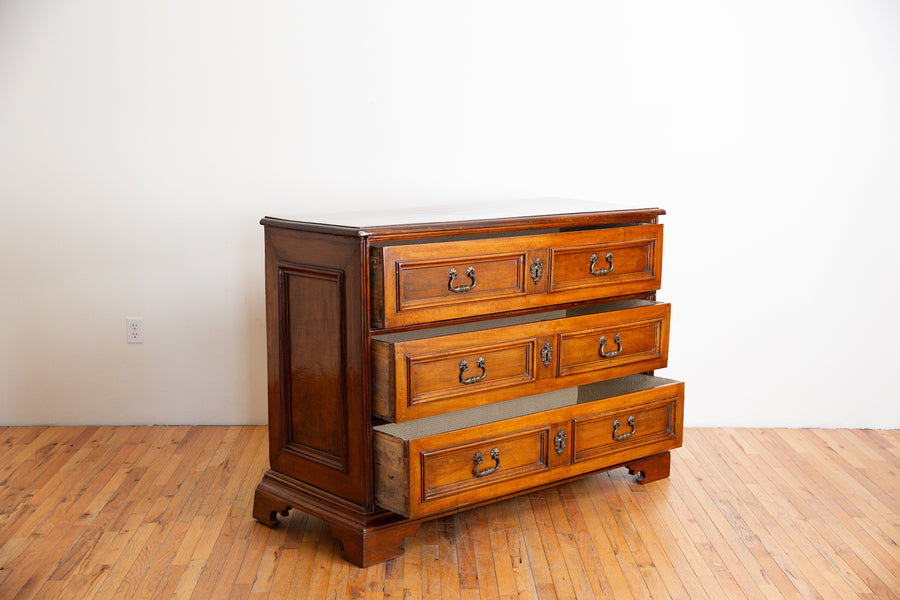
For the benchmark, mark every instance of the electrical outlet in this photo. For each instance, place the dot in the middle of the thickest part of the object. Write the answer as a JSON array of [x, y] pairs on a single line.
[[134, 330]]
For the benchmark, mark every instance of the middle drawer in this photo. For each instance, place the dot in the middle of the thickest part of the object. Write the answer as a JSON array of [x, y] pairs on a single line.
[[423, 373]]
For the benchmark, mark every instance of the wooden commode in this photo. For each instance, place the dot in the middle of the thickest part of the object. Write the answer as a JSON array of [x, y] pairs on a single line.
[[423, 364]]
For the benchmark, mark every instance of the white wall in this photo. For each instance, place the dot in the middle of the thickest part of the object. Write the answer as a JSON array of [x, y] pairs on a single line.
[[140, 143]]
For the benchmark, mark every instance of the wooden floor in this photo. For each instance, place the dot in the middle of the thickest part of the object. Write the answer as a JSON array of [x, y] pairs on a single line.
[[160, 512]]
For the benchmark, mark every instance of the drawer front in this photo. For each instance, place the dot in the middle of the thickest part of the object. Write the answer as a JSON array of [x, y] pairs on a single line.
[[613, 431], [429, 376], [459, 469], [433, 378], [632, 258], [438, 472], [424, 283], [638, 339], [431, 282]]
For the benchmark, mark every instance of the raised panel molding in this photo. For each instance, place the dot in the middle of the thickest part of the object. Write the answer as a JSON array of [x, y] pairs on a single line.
[[315, 419]]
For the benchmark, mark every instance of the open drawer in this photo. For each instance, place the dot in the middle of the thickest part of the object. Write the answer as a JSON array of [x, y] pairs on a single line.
[[436, 464], [427, 372], [440, 281]]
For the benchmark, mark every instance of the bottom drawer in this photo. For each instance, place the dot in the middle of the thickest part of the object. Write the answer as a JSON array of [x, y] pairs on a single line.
[[436, 464]]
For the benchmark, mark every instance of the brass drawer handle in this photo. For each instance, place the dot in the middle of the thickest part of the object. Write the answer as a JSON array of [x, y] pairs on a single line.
[[464, 366], [595, 260], [614, 353], [495, 454], [462, 288], [624, 436]]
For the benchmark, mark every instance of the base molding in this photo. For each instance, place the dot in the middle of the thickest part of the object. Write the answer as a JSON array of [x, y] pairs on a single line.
[[372, 545], [368, 537]]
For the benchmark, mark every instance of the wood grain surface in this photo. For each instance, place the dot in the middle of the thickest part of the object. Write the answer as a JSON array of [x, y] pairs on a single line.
[[166, 512]]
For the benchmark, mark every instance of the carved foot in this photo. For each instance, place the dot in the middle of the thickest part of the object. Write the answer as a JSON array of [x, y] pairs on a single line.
[[651, 468], [267, 508], [364, 548]]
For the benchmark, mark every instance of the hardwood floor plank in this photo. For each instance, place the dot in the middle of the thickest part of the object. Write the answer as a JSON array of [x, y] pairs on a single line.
[[789, 467], [29, 489], [559, 574], [700, 493], [447, 557], [540, 569], [569, 551], [94, 513], [646, 530], [240, 519], [148, 567], [606, 502], [858, 542], [879, 508], [693, 572], [614, 583], [375, 576], [777, 480], [466, 570], [796, 555], [626, 515], [356, 583], [517, 553], [412, 567], [581, 536], [774, 563], [393, 577], [340, 572], [713, 552], [15, 442], [486, 574], [307, 545], [59, 525], [431, 567]]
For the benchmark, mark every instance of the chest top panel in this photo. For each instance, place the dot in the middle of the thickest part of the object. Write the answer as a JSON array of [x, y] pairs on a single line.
[[474, 219]]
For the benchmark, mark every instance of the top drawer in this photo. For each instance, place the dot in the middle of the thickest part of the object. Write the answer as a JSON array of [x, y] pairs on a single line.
[[421, 283]]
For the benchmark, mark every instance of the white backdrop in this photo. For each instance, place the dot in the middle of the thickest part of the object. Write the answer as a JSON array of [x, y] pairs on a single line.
[[140, 143]]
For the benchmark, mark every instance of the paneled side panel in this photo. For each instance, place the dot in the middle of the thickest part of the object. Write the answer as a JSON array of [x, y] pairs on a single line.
[[319, 415], [312, 304]]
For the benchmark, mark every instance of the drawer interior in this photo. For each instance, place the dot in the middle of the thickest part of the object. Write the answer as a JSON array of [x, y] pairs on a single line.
[[594, 309], [471, 417]]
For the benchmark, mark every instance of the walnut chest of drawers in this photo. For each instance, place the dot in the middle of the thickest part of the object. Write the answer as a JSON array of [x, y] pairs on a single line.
[[420, 365]]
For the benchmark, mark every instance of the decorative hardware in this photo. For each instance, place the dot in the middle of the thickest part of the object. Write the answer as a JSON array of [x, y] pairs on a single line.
[[624, 436], [464, 366], [595, 260], [546, 354], [537, 269], [495, 454], [462, 288], [614, 353], [559, 442]]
